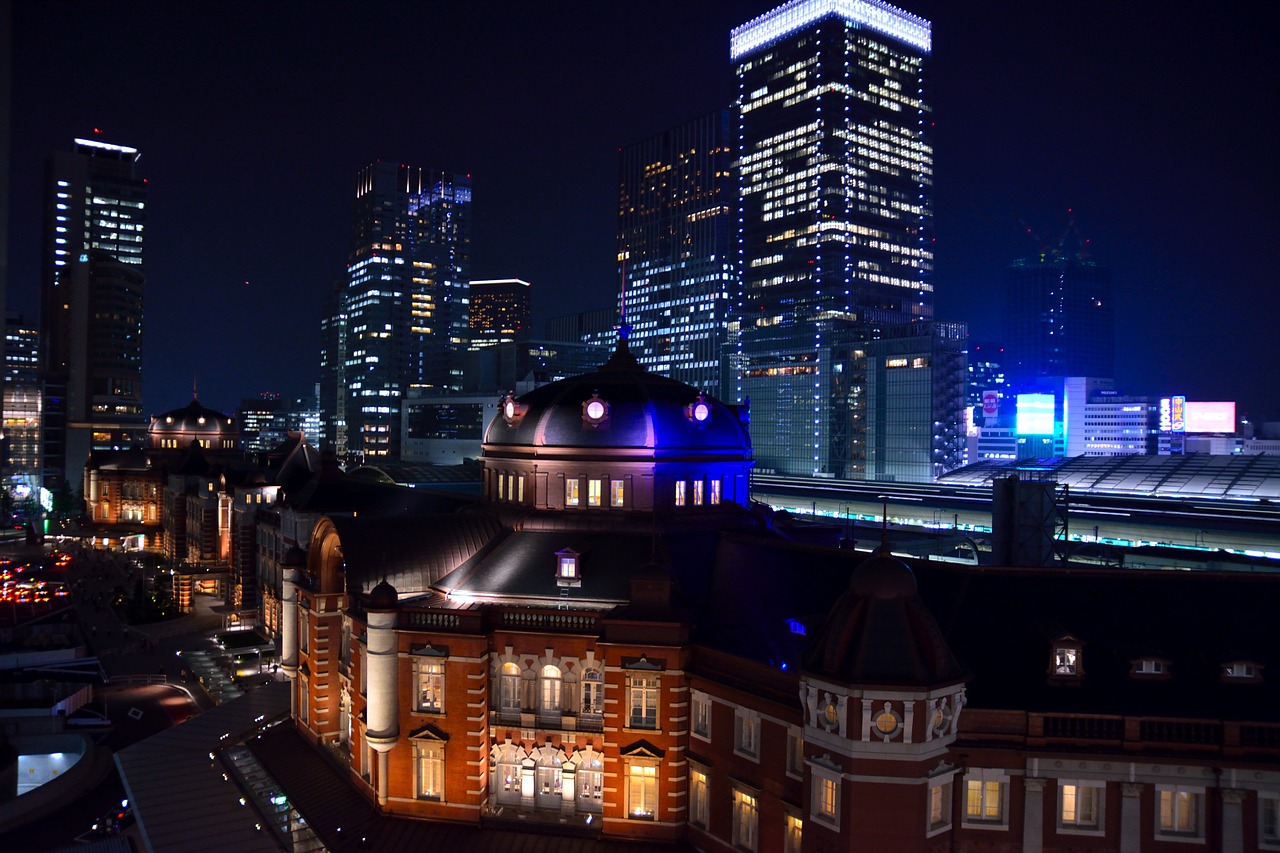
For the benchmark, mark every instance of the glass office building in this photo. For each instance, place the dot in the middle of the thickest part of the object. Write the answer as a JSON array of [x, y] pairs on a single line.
[[834, 222]]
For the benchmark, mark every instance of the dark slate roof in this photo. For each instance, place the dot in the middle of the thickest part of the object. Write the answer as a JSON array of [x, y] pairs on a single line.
[[411, 552], [333, 493], [1001, 624], [646, 412], [329, 800], [195, 418]]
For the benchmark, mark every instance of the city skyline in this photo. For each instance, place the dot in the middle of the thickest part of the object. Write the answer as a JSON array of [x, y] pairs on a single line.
[[1132, 116]]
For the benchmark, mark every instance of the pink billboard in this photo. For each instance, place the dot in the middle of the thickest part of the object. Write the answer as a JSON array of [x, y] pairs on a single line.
[[1211, 417]]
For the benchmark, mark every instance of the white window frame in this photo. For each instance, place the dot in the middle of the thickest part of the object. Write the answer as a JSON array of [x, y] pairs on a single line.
[[642, 789], [617, 493], [795, 752], [595, 491], [994, 788], [746, 733], [644, 695], [572, 491], [699, 796], [700, 715], [1269, 835], [1183, 801], [793, 834], [428, 770], [550, 691], [509, 688], [429, 695], [746, 819], [940, 794], [591, 698], [589, 785], [824, 799], [1067, 788]]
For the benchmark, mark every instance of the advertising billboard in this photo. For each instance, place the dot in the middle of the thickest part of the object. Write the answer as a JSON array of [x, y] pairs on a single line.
[[1035, 414], [1211, 417], [1178, 413], [990, 404]]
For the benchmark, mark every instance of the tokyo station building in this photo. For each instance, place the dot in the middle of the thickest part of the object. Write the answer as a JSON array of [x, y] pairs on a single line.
[[614, 644]]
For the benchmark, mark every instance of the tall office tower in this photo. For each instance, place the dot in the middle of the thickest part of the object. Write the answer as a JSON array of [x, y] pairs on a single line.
[[331, 390], [1059, 319], [91, 307], [834, 236], [500, 311], [22, 401], [257, 416], [400, 319], [675, 206]]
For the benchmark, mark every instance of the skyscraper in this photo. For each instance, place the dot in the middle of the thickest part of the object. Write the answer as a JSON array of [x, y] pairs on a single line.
[[1059, 319], [835, 218], [91, 306], [500, 311], [675, 207], [399, 320], [22, 400]]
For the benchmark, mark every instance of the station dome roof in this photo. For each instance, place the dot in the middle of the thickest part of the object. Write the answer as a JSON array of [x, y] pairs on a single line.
[[195, 419]]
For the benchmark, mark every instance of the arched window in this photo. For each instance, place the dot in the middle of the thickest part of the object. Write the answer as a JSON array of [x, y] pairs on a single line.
[[507, 776], [549, 687], [592, 694], [509, 689], [550, 782], [590, 781]]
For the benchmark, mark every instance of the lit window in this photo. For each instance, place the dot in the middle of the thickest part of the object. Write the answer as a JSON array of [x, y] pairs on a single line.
[[826, 798], [1148, 666], [430, 771], [595, 489], [697, 492], [680, 492], [431, 686], [1179, 811], [715, 492], [568, 567], [617, 492], [699, 798], [571, 492], [509, 688], [644, 701], [794, 835], [744, 820], [984, 799], [592, 693], [1243, 670], [549, 779], [939, 806], [746, 732], [549, 691], [1066, 660], [590, 785], [1080, 806], [642, 790], [701, 715]]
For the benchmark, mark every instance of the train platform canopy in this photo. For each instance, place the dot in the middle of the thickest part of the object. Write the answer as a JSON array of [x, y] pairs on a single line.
[[1193, 475]]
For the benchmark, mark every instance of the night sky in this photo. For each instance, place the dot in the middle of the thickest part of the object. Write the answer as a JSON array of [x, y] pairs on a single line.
[[1155, 122]]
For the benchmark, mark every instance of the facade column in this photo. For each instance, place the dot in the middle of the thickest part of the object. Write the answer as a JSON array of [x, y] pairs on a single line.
[[1033, 815], [1130, 817], [1233, 820], [383, 661]]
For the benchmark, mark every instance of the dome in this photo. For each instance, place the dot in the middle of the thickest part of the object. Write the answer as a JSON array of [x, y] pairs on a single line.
[[194, 420], [624, 409], [883, 576], [383, 597]]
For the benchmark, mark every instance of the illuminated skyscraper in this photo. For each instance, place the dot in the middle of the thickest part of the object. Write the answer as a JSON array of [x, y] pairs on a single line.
[[835, 219], [22, 400], [675, 209], [91, 307], [399, 320], [500, 311]]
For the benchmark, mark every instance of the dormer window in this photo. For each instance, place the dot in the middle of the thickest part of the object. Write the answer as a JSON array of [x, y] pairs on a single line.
[[1150, 668], [595, 410], [1067, 661], [1241, 670], [568, 568]]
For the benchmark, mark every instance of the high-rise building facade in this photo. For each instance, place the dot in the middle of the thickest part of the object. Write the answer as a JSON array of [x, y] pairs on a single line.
[[1059, 320], [834, 235], [500, 311], [22, 401], [91, 306], [675, 208], [399, 320]]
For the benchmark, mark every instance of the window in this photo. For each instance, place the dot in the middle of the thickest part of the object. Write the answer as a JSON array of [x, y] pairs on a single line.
[[701, 715], [595, 492], [1066, 660], [617, 492], [680, 491], [1269, 819], [431, 686], [549, 691], [1148, 666], [592, 693], [507, 769], [549, 779], [1243, 670], [985, 792], [509, 688], [746, 733], [642, 790], [590, 785], [795, 752], [826, 798], [744, 820], [699, 798], [939, 806], [568, 568], [571, 492], [715, 492], [1080, 806], [1179, 811], [644, 701], [430, 771], [697, 492], [794, 833]]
